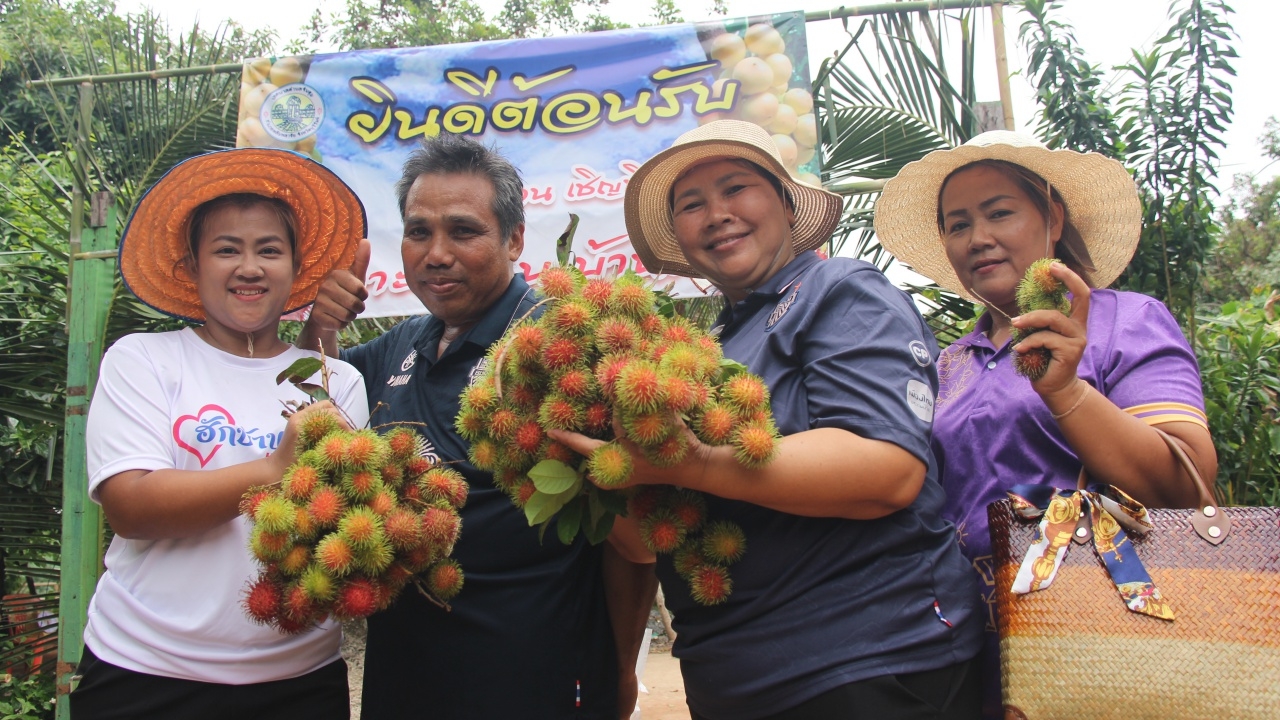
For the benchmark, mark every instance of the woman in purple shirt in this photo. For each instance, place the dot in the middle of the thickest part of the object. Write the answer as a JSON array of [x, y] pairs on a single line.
[[973, 219]]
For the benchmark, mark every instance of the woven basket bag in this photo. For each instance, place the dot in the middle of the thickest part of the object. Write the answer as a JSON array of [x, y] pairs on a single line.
[[1073, 650]]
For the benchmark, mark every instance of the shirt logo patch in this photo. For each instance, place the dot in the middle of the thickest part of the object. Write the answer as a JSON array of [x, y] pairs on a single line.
[[920, 400], [398, 380], [478, 370], [782, 308], [920, 353], [207, 431], [409, 361]]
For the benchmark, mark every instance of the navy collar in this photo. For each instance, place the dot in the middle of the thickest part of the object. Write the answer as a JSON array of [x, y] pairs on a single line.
[[491, 327], [770, 290]]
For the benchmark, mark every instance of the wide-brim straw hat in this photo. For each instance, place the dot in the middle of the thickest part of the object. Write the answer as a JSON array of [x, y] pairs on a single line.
[[1101, 200], [154, 246], [647, 204]]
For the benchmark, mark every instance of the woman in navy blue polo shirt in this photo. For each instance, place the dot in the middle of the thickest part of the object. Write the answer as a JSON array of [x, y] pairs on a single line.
[[853, 599]]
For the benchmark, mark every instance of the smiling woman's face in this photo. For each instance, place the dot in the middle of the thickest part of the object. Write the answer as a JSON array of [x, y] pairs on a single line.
[[732, 225], [992, 232], [243, 268]]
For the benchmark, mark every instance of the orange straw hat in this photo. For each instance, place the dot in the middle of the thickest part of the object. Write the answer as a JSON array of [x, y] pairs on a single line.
[[154, 246], [648, 200]]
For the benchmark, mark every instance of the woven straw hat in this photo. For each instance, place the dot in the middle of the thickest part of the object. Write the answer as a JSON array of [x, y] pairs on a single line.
[[154, 246], [648, 200], [1101, 200]]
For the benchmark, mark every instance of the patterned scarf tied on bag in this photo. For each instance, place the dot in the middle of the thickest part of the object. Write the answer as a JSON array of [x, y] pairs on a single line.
[[1110, 513]]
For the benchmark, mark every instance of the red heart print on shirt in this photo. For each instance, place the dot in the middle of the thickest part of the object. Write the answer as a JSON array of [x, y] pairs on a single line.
[[211, 428]]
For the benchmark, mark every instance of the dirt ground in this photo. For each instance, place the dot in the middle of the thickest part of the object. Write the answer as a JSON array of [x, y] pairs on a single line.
[[661, 676]]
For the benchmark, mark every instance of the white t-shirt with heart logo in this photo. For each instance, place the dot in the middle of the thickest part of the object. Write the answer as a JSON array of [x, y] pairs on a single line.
[[173, 607]]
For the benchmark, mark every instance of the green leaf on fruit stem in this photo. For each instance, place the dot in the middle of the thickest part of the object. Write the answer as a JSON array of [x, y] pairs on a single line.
[[552, 476], [299, 371], [597, 532], [543, 506], [569, 521], [316, 392], [729, 368]]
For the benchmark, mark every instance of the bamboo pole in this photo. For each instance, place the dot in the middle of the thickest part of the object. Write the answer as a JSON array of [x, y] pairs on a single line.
[[1002, 64], [846, 11]]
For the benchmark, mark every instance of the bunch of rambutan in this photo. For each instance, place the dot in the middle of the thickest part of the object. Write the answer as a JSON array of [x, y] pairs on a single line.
[[602, 348], [356, 518], [1038, 290]]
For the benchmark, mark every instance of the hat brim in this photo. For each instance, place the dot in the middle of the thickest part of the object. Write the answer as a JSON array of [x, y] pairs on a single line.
[[647, 206], [154, 246], [1101, 199]]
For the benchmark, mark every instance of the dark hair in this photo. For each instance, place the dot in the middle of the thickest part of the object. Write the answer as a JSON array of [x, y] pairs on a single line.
[[202, 212], [777, 185], [1070, 248], [447, 154]]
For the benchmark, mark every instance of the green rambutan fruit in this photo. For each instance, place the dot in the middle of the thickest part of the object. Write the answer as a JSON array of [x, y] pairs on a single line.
[[572, 317], [317, 583], [615, 334], [275, 514], [471, 423], [335, 554], [503, 423], [755, 444], [444, 484], [529, 436], [683, 360], [1040, 290], [366, 451], [599, 293], [560, 413], [382, 503], [299, 482], [639, 387], [689, 507], [646, 499], [392, 475], [710, 585], [332, 451], [723, 543], [527, 340], [744, 394], [662, 532], [375, 558], [647, 429], [668, 452], [631, 298], [315, 426], [254, 497], [484, 454], [575, 384], [326, 506], [356, 598], [596, 418], [441, 527], [403, 529], [403, 443], [263, 599], [480, 396], [361, 528], [610, 465], [303, 526], [360, 485], [295, 560], [559, 282], [445, 579], [688, 558], [268, 546], [563, 352], [609, 369], [716, 425]]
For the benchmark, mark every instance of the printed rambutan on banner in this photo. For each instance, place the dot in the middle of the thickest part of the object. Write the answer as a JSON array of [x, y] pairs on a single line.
[[607, 354], [577, 115]]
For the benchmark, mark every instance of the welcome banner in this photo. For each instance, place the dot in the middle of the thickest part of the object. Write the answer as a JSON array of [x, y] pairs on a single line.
[[577, 115]]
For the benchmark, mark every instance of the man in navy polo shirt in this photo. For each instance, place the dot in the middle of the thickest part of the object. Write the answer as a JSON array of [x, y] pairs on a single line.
[[530, 634]]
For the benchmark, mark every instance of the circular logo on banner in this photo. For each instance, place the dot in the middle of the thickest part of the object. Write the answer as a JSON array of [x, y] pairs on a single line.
[[292, 112]]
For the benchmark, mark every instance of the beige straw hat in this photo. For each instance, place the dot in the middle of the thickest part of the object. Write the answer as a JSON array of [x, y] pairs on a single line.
[[330, 223], [648, 200], [1101, 199]]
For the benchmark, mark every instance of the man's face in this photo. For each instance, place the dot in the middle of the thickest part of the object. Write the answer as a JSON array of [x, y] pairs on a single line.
[[455, 260]]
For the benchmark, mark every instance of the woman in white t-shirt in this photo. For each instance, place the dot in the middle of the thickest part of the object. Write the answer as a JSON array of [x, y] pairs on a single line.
[[183, 423]]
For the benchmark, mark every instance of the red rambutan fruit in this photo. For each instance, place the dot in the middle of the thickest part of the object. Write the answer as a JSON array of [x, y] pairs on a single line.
[[403, 529], [503, 423], [524, 395], [523, 492], [710, 585], [507, 479], [662, 532], [335, 555], [716, 425], [392, 474], [295, 560], [286, 625], [558, 282], [262, 600], [403, 443], [571, 316], [361, 528], [552, 450], [646, 499], [297, 606], [597, 417], [420, 558], [744, 394], [357, 598], [275, 514], [682, 360], [615, 334], [563, 352], [445, 579], [514, 457], [365, 450], [668, 452], [415, 466], [526, 342], [632, 299], [689, 507], [677, 330], [678, 393], [315, 425], [1032, 364], [560, 413], [440, 527], [610, 465], [598, 292], [639, 387], [382, 503], [303, 526], [396, 576], [484, 454], [608, 370], [480, 396], [529, 436], [755, 445], [723, 543], [575, 384], [267, 546], [361, 484], [333, 450], [249, 503], [648, 429], [445, 484], [411, 495], [651, 325], [688, 558], [326, 507]]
